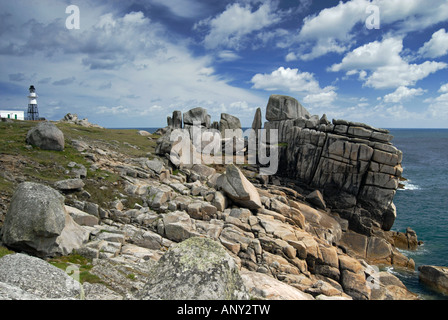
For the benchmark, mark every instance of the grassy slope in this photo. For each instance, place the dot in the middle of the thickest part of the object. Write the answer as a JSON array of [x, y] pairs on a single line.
[[34, 164]]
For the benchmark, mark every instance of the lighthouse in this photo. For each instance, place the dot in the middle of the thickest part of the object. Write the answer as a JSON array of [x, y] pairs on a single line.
[[33, 112]]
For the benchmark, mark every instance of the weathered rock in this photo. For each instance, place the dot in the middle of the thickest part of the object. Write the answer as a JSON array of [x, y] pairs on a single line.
[[155, 165], [352, 164], [10, 292], [355, 285], [38, 223], [96, 291], [196, 269], [262, 286], [178, 226], [69, 185], [72, 237], [389, 287], [374, 250], [235, 239], [46, 136], [164, 144], [229, 122], [220, 201], [322, 288], [159, 195], [73, 118], [177, 119], [257, 122], [316, 199], [405, 241], [283, 107], [144, 133], [345, 170], [204, 171], [38, 278], [434, 277], [123, 277], [36, 217], [197, 115], [238, 188]]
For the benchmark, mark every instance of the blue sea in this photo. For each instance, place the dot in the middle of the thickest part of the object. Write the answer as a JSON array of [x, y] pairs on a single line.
[[423, 204]]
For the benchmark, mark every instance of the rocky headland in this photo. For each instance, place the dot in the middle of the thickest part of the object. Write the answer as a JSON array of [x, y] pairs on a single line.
[[126, 220]]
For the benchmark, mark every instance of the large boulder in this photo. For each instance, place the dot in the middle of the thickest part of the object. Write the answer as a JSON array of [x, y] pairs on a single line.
[[195, 269], [197, 115], [434, 277], [33, 278], [283, 108], [38, 223], [229, 122], [238, 188], [46, 136]]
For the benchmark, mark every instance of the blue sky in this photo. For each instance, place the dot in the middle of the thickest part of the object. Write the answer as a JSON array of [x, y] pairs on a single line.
[[131, 63]]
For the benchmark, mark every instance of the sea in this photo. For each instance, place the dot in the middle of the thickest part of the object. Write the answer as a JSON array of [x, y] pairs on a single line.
[[423, 203]]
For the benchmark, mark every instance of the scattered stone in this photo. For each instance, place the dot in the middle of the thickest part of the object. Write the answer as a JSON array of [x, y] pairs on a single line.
[[144, 133], [69, 185]]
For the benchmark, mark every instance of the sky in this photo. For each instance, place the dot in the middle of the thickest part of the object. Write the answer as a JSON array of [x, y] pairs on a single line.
[[130, 64]]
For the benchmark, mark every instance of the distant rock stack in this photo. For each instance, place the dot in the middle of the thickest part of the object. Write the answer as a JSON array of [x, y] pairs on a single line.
[[199, 118], [354, 165]]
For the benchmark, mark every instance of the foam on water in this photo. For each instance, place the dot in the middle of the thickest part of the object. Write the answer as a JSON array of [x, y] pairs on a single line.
[[408, 185]]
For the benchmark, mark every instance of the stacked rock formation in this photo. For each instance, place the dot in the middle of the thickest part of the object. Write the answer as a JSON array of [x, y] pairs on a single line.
[[354, 165]]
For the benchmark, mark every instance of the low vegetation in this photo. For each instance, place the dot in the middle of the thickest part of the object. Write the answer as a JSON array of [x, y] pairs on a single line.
[[20, 162], [82, 267]]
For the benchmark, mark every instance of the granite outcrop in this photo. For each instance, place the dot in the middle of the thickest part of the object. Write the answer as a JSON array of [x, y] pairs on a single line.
[[355, 166]]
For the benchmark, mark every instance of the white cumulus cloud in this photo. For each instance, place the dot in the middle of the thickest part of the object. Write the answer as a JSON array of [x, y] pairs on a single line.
[[286, 79], [388, 69], [230, 28], [403, 93], [437, 46], [333, 29], [297, 82]]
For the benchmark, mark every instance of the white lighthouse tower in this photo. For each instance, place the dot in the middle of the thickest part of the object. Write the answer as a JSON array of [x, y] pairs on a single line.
[[33, 112]]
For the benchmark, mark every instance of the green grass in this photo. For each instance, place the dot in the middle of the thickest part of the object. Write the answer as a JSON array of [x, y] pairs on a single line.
[[116, 138], [84, 264], [50, 166], [4, 251]]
